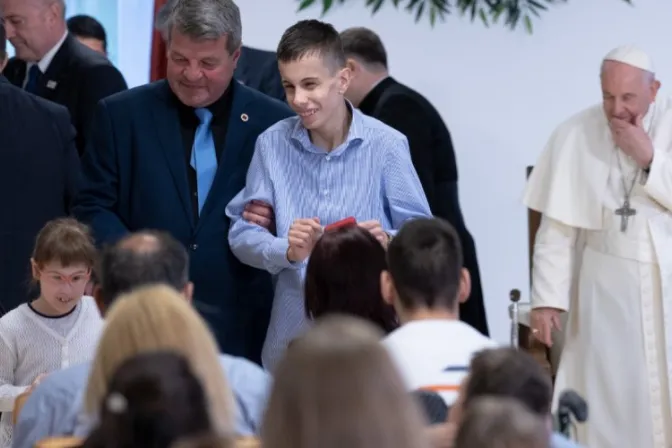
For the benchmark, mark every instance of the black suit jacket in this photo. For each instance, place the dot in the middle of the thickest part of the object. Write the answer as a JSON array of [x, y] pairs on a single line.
[[38, 170], [135, 177], [77, 78], [434, 159], [258, 69]]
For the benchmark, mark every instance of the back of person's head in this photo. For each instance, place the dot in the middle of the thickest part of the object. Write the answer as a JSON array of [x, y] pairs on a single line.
[[364, 45], [87, 28], [157, 318], [311, 38], [212, 441], [496, 422], [338, 387], [343, 276], [153, 400], [425, 268], [507, 372], [141, 259]]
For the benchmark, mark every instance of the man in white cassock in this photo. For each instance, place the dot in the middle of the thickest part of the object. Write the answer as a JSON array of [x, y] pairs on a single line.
[[603, 255]]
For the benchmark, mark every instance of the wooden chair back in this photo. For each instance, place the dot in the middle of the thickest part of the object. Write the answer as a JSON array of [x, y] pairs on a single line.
[[60, 442], [533, 223]]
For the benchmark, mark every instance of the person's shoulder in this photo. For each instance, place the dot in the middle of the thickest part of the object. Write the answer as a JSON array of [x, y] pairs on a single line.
[[269, 110], [560, 441], [376, 130], [19, 100], [237, 368], [584, 120], [140, 95], [13, 320]]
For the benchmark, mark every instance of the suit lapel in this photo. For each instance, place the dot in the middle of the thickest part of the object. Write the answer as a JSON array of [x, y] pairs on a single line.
[[168, 132], [237, 133], [57, 72]]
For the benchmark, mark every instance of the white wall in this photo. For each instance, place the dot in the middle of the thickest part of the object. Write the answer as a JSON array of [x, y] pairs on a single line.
[[501, 94]]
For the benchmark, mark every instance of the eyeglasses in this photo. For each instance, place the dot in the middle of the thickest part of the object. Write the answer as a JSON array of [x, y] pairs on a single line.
[[56, 278]]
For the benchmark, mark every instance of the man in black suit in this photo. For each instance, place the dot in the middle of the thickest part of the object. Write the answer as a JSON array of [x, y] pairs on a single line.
[[377, 94], [53, 64], [172, 154], [38, 170], [258, 69]]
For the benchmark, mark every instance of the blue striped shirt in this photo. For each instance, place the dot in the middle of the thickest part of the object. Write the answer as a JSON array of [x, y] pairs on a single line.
[[370, 177]]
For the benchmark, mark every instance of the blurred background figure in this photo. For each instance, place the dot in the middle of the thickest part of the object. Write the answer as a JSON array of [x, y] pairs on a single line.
[[89, 31]]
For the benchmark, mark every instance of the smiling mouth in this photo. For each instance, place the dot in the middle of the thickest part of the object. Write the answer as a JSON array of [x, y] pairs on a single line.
[[64, 299], [308, 113]]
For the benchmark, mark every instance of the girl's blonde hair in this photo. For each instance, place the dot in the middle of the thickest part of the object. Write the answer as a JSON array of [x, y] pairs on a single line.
[[338, 387], [157, 318]]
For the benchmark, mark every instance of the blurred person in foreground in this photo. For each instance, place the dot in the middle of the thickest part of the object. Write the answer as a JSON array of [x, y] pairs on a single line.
[[509, 373], [140, 259], [495, 422], [602, 255], [337, 387]]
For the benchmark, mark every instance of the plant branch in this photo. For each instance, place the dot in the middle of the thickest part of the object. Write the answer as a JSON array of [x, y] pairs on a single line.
[[509, 12]]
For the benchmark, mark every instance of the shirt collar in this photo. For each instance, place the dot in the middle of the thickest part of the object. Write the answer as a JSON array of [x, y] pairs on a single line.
[[355, 133], [44, 63]]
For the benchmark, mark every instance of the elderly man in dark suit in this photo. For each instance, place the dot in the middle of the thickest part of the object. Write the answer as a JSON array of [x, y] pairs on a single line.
[[53, 64], [170, 155], [38, 170], [377, 94], [258, 69]]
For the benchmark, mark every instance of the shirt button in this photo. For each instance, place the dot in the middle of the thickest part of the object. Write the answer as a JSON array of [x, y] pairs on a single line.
[[193, 246], [328, 158]]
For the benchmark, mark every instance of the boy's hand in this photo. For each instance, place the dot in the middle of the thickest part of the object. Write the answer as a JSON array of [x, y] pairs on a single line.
[[303, 234], [376, 230]]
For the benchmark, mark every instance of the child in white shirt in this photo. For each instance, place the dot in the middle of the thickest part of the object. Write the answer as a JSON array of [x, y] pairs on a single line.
[[59, 328], [425, 282]]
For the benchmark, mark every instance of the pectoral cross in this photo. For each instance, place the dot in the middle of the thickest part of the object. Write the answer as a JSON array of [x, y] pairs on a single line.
[[625, 213]]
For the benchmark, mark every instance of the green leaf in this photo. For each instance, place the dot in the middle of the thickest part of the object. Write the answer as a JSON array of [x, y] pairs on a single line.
[[528, 24], [484, 18], [418, 14], [326, 6], [305, 4], [377, 6]]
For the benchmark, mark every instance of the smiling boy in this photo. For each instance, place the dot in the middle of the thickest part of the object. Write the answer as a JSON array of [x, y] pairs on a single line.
[[327, 163]]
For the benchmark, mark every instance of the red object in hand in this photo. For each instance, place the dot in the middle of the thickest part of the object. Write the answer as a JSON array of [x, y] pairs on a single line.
[[347, 222]]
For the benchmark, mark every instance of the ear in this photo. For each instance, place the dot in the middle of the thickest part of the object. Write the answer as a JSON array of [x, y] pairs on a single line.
[[655, 87], [98, 297], [344, 78], [236, 55], [35, 269], [188, 292], [465, 286], [387, 289], [352, 65]]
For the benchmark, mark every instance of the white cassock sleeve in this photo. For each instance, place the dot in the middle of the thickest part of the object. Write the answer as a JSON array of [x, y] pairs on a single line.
[[553, 264], [659, 182]]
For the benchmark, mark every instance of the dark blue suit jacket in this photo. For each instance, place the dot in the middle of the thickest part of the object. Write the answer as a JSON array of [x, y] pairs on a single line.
[[258, 69], [39, 167], [135, 177]]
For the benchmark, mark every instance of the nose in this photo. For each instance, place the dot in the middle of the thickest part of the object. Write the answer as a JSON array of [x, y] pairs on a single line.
[[192, 73], [300, 98]]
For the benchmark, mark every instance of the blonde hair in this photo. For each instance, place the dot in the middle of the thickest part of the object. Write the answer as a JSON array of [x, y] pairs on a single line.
[[499, 422], [338, 387], [159, 318]]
